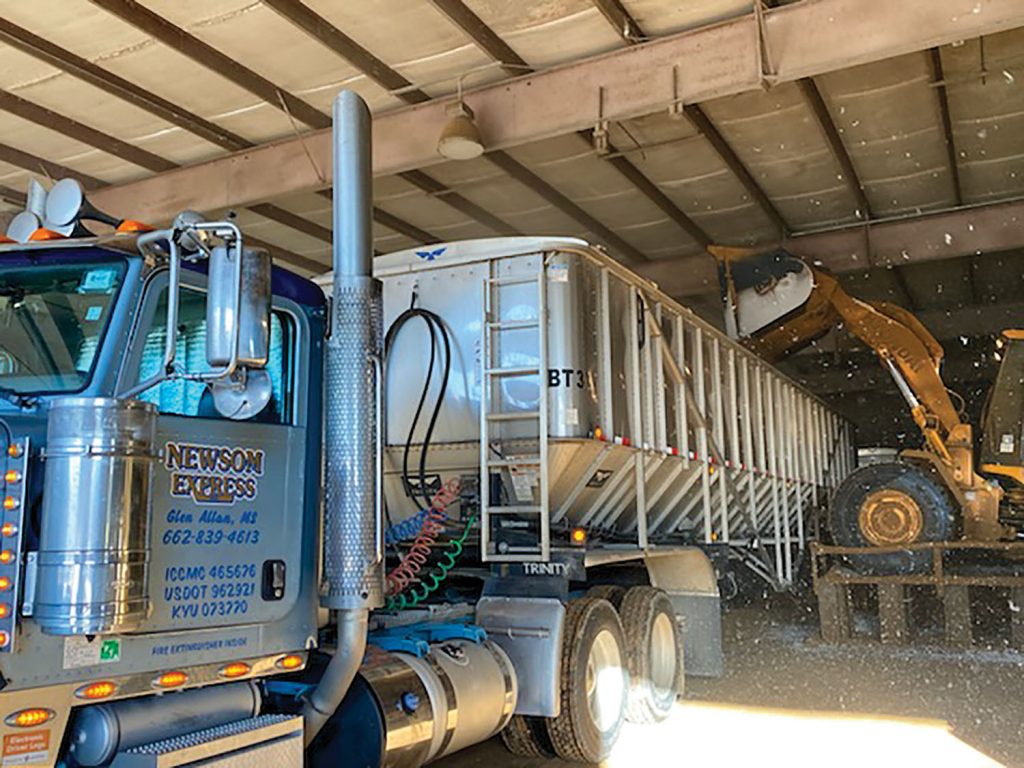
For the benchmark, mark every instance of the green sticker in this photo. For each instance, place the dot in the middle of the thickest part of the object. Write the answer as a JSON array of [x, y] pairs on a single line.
[[110, 651]]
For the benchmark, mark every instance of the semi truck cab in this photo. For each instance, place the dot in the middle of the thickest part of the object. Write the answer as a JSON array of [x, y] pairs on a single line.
[[222, 585]]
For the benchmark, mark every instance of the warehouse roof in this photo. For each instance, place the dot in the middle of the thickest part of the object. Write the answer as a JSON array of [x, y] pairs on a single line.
[[640, 124]]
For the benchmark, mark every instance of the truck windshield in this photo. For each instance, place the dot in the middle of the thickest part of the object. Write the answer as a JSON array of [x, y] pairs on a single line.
[[52, 319]]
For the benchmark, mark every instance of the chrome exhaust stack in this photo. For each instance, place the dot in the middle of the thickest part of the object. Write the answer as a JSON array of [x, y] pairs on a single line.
[[353, 557]]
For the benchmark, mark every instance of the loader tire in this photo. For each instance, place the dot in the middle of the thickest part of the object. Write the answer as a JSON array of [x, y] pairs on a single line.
[[654, 654], [889, 505], [527, 737], [593, 684], [610, 592]]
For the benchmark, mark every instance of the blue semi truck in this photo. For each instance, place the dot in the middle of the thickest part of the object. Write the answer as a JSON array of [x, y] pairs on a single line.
[[200, 564]]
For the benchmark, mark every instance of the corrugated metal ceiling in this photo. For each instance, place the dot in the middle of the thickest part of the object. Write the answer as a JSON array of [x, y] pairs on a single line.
[[887, 115]]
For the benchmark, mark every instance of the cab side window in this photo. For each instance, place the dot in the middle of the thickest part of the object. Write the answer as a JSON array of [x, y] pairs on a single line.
[[191, 398]]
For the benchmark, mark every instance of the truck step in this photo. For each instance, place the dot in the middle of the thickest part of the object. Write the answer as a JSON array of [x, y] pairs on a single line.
[[265, 740], [514, 416], [527, 370], [515, 461], [515, 509], [512, 325], [513, 280]]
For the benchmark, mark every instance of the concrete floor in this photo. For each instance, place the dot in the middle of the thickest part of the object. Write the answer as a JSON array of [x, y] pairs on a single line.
[[882, 706]]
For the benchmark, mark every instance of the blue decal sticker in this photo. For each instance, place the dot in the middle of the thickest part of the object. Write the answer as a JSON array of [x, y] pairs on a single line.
[[98, 281], [431, 255]]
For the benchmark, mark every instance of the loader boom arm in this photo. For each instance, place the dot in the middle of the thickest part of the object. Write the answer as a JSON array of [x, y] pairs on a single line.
[[905, 347]]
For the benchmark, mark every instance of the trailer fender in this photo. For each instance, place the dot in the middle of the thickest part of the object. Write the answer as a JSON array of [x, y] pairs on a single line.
[[688, 577]]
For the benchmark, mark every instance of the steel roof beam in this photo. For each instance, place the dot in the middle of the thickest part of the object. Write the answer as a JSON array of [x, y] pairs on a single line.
[[653, 192], [12, 197], [85, 70], [732, 161], [636, 80], [391, 221], [319, 28], [292, 220], [114, 146], [621, 20], [403, 227], [819, 108], [73, 129], [55, 56], [629, 30], [436, 189], [175, 37], [290, 257], [904, 288], [491, 44], [939, 83], [894, 242], [485, 38], [33, 164], [536, 184]]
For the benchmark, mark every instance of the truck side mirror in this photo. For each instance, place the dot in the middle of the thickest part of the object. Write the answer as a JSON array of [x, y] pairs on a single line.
[[238, 308]]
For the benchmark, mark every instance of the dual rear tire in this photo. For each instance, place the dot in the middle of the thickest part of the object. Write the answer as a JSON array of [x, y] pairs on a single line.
[[622, 658]]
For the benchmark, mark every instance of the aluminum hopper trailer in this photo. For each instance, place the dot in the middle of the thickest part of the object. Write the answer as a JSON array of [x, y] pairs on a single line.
[[600, 431]]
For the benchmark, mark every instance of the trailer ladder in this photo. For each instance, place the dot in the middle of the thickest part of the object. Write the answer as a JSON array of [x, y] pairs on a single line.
[[492, 418]]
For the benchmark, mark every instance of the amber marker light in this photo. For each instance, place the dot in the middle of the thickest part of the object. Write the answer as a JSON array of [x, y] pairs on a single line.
[[130, 226], [29, 718], [171, 680], [42, 234], [578, 537], [93, 691], [10, 503], [5, 639], [289, 662], [5, 610], [6, 557], [235, 669], [14, 451], [5, 583], [8, 529], [12, 477]]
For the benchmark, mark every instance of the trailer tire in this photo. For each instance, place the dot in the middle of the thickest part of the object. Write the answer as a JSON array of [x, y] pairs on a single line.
[[593, 694], [920, 509], [527, 737], [654, 654], [610, 592]]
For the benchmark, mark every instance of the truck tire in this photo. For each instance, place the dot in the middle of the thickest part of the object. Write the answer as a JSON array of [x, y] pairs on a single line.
[[527, 737], [610, 592], [654, 654], [888, 505], [593, 685]]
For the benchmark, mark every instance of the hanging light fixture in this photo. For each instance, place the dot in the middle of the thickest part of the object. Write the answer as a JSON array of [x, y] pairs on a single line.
[[460, 139]]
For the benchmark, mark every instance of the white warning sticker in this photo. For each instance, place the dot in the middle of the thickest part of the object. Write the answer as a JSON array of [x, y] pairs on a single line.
[[558, 273], [523, 481], [1006, 442], [80, 652]]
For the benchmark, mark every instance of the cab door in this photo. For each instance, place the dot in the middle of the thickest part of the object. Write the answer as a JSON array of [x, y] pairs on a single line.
[[228, 497]]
